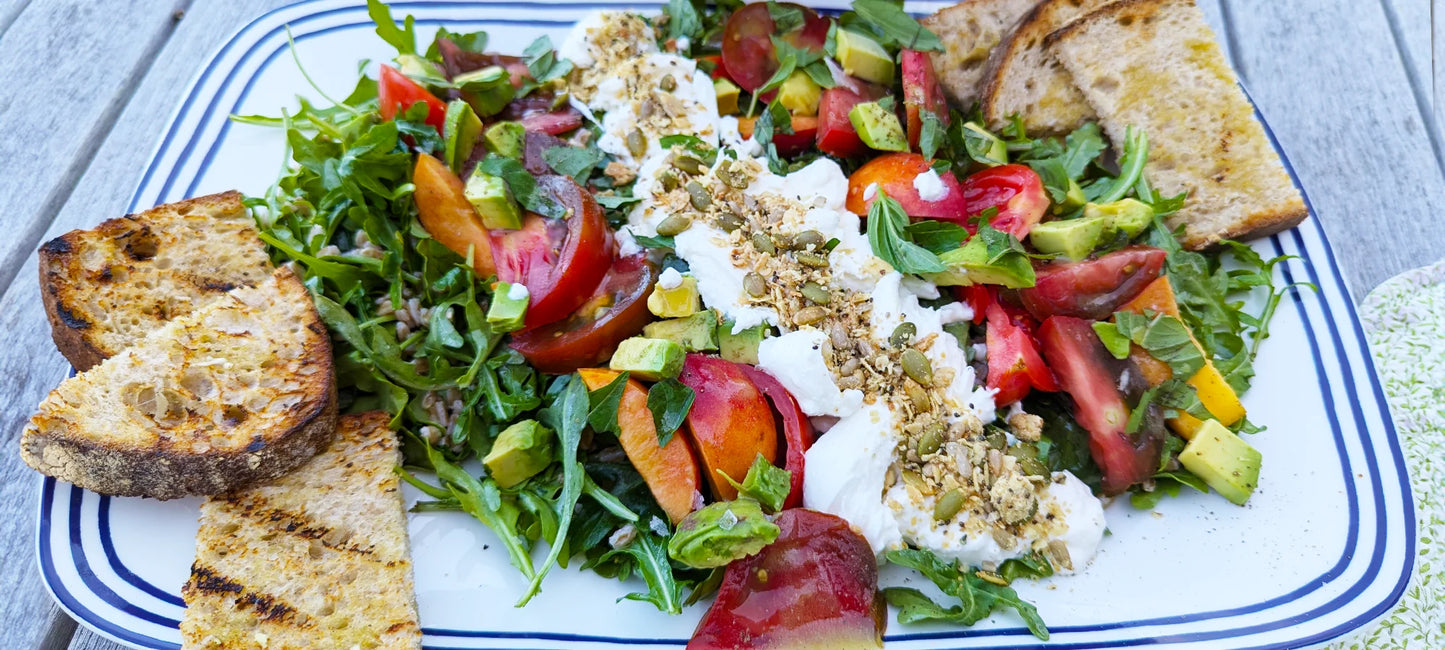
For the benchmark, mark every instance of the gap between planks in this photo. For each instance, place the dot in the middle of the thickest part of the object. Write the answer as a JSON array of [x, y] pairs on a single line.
[[1423, 88]]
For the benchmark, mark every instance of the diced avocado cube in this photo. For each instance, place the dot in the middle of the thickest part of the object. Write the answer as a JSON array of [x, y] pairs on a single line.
[[415, 66], [695, 333], [969, 265], [1073, 238], [800, 94], [741, 347], [727, 95], [648, 359], [878, 127], [461, 129], [983, 143], [509, 307], [493, 200], [1227, 463], [519, 453], [1073, 198], [864, 58], [1130, 216], [506, 139], [675, 296]]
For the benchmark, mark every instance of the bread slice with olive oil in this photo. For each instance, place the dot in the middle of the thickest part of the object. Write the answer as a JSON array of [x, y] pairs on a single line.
[[106, 288], [1155, 65], [1024, 79], [239, 391], [969, 31], [318, 558]]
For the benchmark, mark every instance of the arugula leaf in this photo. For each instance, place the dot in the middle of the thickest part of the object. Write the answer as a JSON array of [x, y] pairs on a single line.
[[473, 42], [576, 162], [402, 38], [1033, 565], [484, 501], [568, 415], [1131, 165], [978, 598], [648, 554], [603, 404], [888, 237], [1082, 147], [661, 241], [765, 483], [669, 400], [895, 27]]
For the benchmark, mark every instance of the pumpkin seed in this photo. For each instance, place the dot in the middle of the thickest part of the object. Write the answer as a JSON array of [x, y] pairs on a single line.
[[995, 438], [948, 505], [755, 285], [903, 334], [917, 395], [917, 367], [688, 164], [817, 293], [729, 222], [674, 224], [809, 315], [764, 243], [698, 196], [636, 143], [732, 177], [812, 259], [667, 83], [915, 480], [807, 239], [931, 439], [669, 180], [1027, 455]]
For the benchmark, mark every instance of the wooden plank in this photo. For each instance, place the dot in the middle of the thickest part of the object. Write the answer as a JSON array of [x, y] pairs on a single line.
[[1410, 23], [1348, 118], [99, 188], [98, 51], [9, 12]]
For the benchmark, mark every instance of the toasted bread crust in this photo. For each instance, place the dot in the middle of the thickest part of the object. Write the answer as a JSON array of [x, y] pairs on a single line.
[[1002, 72], [970, 31], [67, 441], [80, 265]]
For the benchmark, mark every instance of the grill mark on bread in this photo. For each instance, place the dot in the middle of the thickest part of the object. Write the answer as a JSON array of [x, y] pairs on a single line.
[[69, 319], [58, 246], [297, 524], [268, 607]]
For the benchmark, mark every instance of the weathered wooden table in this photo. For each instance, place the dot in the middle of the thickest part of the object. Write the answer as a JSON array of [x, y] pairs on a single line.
[[86, 88]]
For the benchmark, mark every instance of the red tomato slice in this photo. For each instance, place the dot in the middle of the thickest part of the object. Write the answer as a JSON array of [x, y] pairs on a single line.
[[978, 297], [1091, 376], [747, 45], [1095, 288], [815, 587], [921, 92], [836, 135], [560, 261], [797, 429], [1015, 190], [615, 311], [894, 174], [395, 93], [719, 71], [1014, 364]]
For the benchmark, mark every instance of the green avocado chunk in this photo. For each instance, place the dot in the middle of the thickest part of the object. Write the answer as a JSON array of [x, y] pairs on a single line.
[[1226, 462], [648, 359], [1130, 216], [719, 533], [493, 200], [521, 450], [878, 127], [864, 58], [1073, 238], [727, 95], [800, 94], [506, 139], [461, 129], [695, 333], [508, 310], [969, 265], [741, 347]]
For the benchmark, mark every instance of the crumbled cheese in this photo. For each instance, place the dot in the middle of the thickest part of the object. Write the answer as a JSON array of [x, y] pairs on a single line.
[[796, 360], [517, 292], [930, 186], [847, 470], [670, 279], [870, 191]]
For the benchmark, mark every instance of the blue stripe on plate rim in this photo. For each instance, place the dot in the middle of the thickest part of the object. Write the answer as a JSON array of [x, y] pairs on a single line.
[[99, 589]]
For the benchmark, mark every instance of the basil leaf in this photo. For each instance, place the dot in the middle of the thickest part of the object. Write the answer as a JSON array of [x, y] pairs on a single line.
[[887, 236], [683, 20], [575, 162], [522, 184], [785, 18], [669, 400], [1116, 343], [765, 483], [937, 236], [603, 404], [895, 27]]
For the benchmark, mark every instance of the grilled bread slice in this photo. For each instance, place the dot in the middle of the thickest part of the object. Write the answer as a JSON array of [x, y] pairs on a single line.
[[1023, 79], [239, 391], [317, 559], [969, 31], [1154, 64], [107, 288]]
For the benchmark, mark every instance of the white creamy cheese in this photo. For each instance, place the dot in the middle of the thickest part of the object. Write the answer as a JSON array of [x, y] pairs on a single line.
[[615, 99], [930, 186], [669, 279], [708, 255], [847, 469], [796, 360]]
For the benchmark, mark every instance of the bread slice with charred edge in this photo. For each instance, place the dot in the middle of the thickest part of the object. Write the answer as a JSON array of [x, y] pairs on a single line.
[[1155, 65], [1023, 79], [318, 558], [106, 288], [969, 31], [239, 391]]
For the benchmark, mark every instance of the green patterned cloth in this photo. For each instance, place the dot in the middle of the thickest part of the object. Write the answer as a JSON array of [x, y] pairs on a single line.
[[1405, 320]]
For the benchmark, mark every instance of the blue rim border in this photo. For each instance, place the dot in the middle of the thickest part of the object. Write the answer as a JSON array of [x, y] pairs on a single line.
[[1345, 368]]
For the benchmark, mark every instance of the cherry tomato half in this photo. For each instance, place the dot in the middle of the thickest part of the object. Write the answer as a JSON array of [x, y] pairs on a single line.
[[560, 261], [748, 54], [797, 429], [921, 92], [615, 311], [395, 93], [1094, 288], [1014, 364], [1015, 190]]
